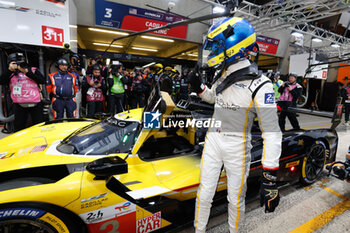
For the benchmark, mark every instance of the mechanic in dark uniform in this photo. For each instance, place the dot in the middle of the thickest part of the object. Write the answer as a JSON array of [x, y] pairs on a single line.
[[62, 87], [149, 80], [184, 85], [158, 72], [138, 89], [24, 83], [290, 92], [166, 82], [96, 87]]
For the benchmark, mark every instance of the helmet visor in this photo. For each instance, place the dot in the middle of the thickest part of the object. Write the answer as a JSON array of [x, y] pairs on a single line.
[[212, 46]]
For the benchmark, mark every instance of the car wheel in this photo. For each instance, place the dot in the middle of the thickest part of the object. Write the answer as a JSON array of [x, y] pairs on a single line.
[[38, 217], [313, 163], [24, 182]]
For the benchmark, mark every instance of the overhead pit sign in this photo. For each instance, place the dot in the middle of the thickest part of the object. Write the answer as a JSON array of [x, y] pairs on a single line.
[[267, 45], [35, 22], [120, 16]]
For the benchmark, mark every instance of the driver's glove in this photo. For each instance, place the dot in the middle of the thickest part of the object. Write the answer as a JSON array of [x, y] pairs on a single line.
[[269, 195]]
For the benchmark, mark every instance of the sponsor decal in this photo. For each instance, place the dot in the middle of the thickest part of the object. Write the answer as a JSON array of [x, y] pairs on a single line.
[[292, 164], [117, 218], [124, 208], [50, 128], [6, 155], [149, 223], [269, 98], [94, 216], [227, 105], [151, 120], [55, 222], [109, 212], [241, 85], [39, 148], [93, 201], [94, 197], [21, 212]]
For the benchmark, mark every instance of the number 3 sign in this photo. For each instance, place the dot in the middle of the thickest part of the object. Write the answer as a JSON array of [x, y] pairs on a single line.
[[51, 35]]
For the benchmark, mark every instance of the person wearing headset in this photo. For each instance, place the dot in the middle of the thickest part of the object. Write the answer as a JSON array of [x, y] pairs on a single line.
[[23, 80], [62, 87], [239, 93]]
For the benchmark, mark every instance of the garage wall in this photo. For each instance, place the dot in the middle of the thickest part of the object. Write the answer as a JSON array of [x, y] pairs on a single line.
[[86, 13]]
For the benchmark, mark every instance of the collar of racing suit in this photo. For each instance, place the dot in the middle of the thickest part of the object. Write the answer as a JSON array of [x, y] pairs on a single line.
[[237, 66], [243, 70]]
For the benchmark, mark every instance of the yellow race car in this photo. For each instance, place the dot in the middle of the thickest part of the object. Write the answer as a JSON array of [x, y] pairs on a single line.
[[129, 173], [81, 175]]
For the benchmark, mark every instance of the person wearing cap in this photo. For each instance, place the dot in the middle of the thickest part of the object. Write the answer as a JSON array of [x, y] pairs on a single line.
[[95, 86], [166, 81], [116, 88], [62, 87], [158, 71], [290, 92], [24, 81], [277, 83]]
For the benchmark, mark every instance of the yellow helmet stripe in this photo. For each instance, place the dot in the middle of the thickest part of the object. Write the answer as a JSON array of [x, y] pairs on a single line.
[[223, 27], [233, 50]]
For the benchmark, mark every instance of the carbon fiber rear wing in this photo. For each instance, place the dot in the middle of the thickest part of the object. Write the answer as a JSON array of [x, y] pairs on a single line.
[[336, 115]]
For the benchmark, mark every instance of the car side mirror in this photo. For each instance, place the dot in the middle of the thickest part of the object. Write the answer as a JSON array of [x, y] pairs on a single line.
[[104, 168]]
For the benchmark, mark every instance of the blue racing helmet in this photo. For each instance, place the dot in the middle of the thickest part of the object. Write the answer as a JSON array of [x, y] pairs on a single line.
[[228, 40]]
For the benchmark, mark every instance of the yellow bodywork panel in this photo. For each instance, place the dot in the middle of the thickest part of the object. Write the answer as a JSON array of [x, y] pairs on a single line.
[[60, 193]]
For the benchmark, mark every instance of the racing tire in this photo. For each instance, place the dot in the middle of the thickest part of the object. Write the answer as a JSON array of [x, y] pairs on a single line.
[[38, 217], [24, 182], [313, 163]]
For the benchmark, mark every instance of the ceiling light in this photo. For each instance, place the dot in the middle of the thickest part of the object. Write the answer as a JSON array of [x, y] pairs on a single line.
[[297, 34], [157, 38], [113, 45], [108, 31], [73, 26], [145, 49], [7, 3], [315, 39], [150, 64], [192, 55], [335, 45], [218, 9]]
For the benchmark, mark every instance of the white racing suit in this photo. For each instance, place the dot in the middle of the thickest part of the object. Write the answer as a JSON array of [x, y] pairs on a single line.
[[236, 107]]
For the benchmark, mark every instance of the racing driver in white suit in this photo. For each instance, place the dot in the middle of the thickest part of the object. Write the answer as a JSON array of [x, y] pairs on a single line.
[[240, 93]]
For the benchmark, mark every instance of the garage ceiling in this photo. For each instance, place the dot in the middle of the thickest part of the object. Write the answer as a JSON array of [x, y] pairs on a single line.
[[99, 38]]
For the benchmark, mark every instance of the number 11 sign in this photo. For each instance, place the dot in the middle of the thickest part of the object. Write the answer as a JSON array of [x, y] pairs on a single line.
[[52, 36]]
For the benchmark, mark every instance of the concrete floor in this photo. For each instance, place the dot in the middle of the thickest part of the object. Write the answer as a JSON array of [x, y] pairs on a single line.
[[321, 207]]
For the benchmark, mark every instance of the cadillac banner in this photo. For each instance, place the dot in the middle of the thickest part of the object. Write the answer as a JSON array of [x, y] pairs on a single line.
[[120, 16]]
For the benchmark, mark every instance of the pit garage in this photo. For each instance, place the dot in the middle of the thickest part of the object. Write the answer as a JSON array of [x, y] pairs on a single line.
[[109, 107]]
